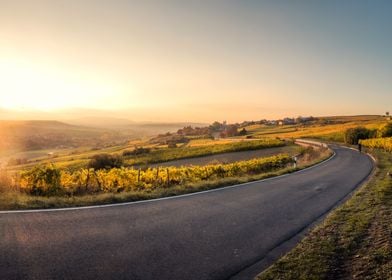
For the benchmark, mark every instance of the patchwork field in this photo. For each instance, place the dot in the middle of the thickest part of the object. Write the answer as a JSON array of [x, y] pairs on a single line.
[[291, 150], [325, 128], [153, 165]]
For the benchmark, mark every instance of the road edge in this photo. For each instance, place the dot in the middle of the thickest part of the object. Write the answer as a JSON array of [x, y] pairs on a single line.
[[251, 271]]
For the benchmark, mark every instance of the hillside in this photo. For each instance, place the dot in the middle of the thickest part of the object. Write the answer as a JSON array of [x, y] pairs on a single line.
[[130, 127], [31, 135], [326, 128]]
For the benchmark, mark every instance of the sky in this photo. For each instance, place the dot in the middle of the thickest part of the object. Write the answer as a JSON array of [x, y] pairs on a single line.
[[195, 60]]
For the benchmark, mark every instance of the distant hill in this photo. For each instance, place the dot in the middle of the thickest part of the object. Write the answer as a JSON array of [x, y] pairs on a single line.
[[107, 120], [153, 129], [344, 119], [28, 135], [130, 127], [101, 122], [95, 132]]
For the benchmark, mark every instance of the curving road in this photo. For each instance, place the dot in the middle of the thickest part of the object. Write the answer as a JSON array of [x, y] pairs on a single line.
[[212, 235]]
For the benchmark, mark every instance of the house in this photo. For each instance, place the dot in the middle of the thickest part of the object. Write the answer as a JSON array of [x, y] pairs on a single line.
[[288, 121], [271, 122]]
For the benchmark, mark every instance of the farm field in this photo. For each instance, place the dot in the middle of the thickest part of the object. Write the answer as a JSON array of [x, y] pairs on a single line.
[[326, 128], [192, 151], [291, 150], [78, 158], [40, 142]]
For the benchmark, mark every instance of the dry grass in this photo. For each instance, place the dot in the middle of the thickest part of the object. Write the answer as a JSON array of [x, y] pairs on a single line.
[[331, 132]]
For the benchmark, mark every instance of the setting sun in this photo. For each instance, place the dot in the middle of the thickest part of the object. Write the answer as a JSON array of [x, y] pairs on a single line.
[[28, 85]]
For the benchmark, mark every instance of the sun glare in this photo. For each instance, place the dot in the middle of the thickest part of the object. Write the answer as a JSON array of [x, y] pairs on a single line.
[[30, 86]]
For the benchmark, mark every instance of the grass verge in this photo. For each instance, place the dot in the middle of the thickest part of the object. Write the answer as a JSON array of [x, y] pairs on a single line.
[[353, 242], [13, 200]]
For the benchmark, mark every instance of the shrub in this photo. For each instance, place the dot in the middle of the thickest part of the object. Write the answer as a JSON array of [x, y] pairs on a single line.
[[105, 161], [171, 145], [137, 151], [353, 135], [385, 131], [243, 132], [42, 180]]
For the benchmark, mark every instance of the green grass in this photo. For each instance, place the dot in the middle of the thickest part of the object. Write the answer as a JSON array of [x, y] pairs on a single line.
[[353, 242]]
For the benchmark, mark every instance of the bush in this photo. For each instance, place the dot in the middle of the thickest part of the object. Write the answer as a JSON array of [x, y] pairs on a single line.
[[243, 132], [105, 161], [137, 151], [172, 145], [353, 135], [42, 180], [385, 131]]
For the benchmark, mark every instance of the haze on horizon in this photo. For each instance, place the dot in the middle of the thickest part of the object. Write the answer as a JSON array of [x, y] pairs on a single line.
[[194, 60]]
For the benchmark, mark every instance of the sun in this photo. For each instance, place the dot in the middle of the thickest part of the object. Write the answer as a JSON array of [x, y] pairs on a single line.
[[25, 85], [28, 86]]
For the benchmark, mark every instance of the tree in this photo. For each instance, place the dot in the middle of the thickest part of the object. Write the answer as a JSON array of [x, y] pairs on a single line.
[[232, 130], [136, 151], [105, 161], [353, 135], [216, 126], [243, 132]]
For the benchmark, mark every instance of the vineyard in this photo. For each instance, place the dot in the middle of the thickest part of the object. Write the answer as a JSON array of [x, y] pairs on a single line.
[[50, 180], [167, 154], [378, 143]]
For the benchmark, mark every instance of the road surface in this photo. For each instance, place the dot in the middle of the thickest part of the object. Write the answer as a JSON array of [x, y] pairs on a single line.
[[212, 235]]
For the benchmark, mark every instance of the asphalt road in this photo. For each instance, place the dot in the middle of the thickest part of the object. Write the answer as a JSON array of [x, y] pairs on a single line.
[[212, 235]]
